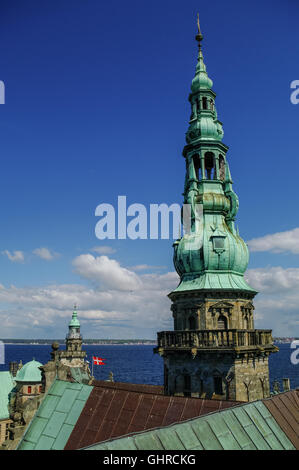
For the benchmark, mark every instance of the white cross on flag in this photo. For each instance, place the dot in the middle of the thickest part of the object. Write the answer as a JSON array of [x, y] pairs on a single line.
[[98, 361]]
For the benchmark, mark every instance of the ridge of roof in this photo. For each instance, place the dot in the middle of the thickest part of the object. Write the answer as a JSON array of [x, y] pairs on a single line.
[[139, 388]]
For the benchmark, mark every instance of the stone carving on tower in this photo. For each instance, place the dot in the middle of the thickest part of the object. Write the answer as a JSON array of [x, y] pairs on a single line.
[[214, 350]]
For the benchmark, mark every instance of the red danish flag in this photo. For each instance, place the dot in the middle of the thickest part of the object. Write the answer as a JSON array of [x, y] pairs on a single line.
[[98, 361]]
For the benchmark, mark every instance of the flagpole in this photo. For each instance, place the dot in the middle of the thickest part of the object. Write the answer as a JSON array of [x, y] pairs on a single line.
[[92, 365]]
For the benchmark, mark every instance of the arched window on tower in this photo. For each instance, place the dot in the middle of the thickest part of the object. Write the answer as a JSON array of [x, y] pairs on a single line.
[[198, 106], [196, 163], [165, 380], [218, 386], [187, 385], [192, 323], [211, 105], [222, 323], [175, 321], [204, 102], [210, 165]]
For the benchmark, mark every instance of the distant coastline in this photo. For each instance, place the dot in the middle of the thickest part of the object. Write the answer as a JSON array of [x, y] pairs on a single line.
[[116, 342], [94, 342]]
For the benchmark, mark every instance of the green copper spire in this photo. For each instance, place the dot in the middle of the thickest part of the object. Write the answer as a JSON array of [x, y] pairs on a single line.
[[74, 323], [201, 79], [214, 350], [212, 255], [204, 124]]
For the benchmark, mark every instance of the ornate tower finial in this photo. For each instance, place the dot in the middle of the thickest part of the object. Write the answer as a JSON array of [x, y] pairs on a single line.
[[199, 36]]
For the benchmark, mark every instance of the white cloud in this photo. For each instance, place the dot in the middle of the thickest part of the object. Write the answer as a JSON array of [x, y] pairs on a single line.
[[145, 267], [103, 250], [106, 272], [16, 256], [104, 312], [277, 242], [277, 304], [45, 253], [274, 279], [119, 303]]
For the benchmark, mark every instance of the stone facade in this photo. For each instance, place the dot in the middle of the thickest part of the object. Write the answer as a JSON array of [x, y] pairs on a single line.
[[60, 365], [214, 350], [204, 311], [4, 427], [26, 392], [217, 375]]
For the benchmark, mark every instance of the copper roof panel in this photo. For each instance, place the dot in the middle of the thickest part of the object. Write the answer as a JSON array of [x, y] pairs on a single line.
[[192, 409], [175, 410], [117, 410], [285, 410], [160, 407], [132, 401]]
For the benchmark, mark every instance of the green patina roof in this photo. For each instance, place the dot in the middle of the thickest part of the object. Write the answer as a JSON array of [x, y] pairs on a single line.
[[79, 375], [6, 385], [55, 419], [201, 79], [214, 280], [246, 427], [30, 372], [74, 323], [211, 254]]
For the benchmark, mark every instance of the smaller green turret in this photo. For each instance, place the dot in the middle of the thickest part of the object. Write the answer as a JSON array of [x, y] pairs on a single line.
[[74, 325]]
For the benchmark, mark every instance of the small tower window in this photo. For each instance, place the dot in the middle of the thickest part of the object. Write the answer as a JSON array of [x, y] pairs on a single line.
[[192, 325], [218, 243], [218, 389], [209, 165], [204, 103], [187, 385], [29, 389], [165, 379], [196, 164], [222, 323]]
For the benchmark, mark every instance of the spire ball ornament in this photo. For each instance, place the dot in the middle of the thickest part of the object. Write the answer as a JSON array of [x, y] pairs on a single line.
[[199, 36]]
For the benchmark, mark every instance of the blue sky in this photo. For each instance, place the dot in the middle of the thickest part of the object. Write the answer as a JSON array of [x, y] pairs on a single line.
[[96, 107]]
